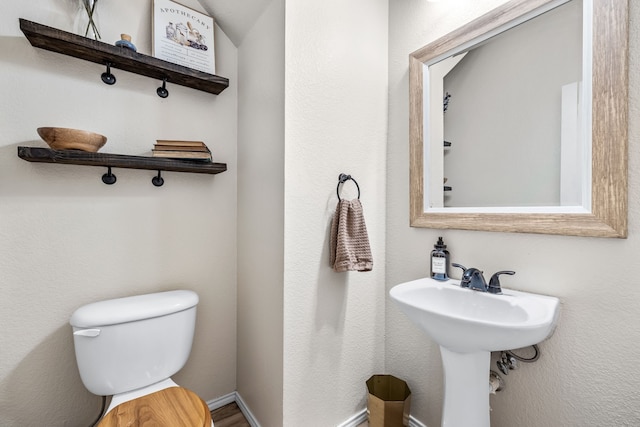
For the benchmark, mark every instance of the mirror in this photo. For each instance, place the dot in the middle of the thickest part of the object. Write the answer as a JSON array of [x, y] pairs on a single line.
[[579, 185]]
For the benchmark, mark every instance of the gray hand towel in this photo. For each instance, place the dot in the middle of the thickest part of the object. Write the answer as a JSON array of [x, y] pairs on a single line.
[[350, 250]]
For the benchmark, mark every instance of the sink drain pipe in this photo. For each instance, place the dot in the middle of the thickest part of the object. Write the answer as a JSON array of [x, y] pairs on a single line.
[[508, 362]]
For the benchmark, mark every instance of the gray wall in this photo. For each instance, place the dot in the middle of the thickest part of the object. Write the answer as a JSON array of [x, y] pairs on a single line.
[[261, 216]]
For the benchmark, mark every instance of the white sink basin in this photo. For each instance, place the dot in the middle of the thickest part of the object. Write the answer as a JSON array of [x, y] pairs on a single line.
[[463, 320], [468, 325]]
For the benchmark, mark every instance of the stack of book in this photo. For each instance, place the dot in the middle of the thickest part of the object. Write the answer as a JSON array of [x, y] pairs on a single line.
[[190, 150]]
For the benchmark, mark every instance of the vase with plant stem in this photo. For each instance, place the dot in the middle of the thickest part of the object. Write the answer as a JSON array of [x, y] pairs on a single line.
[[86, 20]]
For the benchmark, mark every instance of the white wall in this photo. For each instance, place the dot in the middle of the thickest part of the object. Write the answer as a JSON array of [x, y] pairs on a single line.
[[66, 239], [587, 375], [335, 121], [261, 215]]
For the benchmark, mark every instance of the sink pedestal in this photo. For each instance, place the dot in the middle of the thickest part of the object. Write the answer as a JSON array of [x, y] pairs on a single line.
[[466, 388]]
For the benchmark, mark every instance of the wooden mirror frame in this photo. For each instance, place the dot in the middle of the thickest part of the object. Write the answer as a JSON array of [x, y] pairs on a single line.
[[608, 216]]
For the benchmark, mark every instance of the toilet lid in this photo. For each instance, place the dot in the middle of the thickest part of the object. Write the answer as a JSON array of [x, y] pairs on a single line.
[[171, 407]]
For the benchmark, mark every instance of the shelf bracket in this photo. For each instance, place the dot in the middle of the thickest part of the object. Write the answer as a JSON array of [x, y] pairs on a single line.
[[162, 91], [109, 178], [157, 180], [107, 77]]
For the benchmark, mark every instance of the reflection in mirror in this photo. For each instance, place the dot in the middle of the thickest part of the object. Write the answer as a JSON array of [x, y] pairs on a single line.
[[520, 115], [506, 132]]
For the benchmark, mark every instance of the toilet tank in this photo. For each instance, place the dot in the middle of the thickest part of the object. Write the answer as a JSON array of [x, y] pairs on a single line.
[[127, 343]]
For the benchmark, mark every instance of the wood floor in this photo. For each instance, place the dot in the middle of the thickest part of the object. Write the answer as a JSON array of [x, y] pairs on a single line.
[[230, 416]]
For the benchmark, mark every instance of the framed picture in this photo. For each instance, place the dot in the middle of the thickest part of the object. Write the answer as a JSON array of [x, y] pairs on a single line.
[[183, 36]]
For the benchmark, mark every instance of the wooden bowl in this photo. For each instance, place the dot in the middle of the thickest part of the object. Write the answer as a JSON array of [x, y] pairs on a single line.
[[72, 139]]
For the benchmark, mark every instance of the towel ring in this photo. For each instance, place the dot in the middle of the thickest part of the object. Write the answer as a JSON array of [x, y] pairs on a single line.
[[342, 178]]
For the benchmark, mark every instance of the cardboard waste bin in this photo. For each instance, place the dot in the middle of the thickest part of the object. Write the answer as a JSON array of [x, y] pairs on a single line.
[[389, 401]]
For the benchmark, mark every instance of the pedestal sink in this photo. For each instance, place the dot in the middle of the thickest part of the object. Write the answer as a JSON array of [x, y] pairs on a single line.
[[468, 325]]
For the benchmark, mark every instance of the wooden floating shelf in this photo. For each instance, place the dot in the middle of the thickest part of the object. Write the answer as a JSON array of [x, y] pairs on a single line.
[[59, 41], [76, 157]]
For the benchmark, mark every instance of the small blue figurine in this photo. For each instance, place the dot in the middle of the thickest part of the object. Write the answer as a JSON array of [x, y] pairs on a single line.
[[125, 41]]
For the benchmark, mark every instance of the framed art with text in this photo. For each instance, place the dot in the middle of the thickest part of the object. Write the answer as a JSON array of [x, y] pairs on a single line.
[[183, 36]]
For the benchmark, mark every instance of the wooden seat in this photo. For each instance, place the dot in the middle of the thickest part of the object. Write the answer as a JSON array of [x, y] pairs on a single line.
[[171, 407]]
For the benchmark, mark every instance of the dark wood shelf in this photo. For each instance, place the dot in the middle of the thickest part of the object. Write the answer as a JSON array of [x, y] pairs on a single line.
[[59, 41], [76, 157]]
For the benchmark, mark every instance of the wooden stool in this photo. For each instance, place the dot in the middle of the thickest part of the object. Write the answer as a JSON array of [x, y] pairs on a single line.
[[171, 407]]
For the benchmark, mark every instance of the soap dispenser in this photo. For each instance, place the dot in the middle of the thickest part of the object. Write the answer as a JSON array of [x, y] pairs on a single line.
[[440, 261]]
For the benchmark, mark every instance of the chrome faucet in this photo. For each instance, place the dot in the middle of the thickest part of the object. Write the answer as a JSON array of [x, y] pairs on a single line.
[[473, 279]]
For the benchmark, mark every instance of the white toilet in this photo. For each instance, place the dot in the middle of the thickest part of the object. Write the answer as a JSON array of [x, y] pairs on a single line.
[[129, 348]]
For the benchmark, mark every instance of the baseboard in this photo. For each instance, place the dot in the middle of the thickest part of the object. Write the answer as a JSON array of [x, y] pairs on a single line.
[[415, 423], [230, 398], [221, 401], [354, 421], [247, 413], [361, 417]]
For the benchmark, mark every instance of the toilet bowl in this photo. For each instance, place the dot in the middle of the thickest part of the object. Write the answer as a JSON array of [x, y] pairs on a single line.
[[129, 348]]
